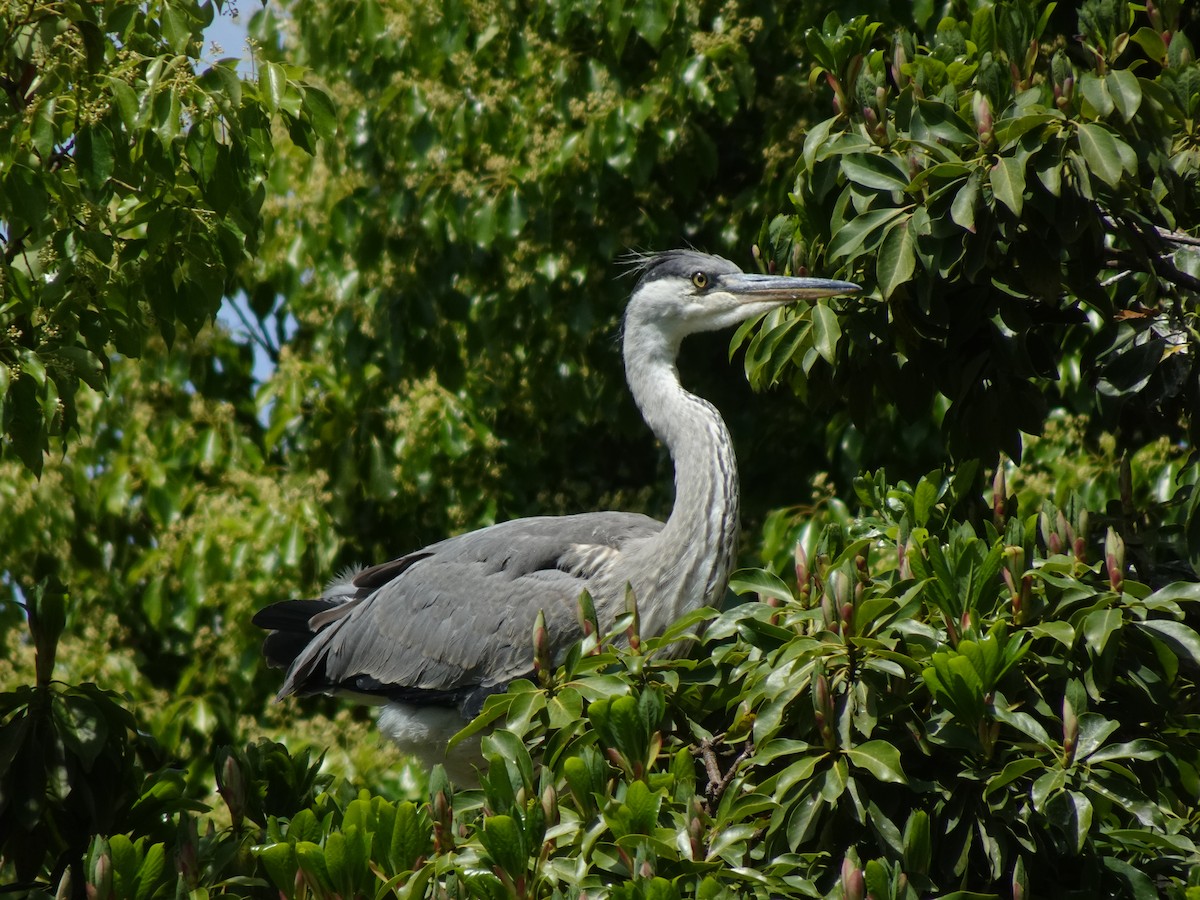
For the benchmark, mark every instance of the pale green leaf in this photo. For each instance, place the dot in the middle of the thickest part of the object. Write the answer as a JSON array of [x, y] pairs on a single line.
[[1101, 153], [1179, 637], [761, 582], [826, 332], [879, 758], [1095, 92], [1008, 183], [897, 258], [1125, 91], [871, 170]]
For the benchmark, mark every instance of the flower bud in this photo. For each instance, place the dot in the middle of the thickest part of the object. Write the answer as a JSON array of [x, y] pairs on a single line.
[[543, 665], [232, 788], [999, 493], [982, 109], [854, 885], [1114, 559], [99, 878], [634, 631]]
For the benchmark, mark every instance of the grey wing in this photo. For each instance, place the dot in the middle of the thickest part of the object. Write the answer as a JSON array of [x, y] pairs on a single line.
[[453, 622]]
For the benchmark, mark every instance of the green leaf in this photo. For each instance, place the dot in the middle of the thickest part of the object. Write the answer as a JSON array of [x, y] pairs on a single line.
[[918, 844], [1098, 626], [321, 112], [1059, 631], [962, 210], [897, 257], [1008, 183], [280, 862], [1152, 42], [651, 19], [505, 844], [879, 758], [872, 170], [150, 873], [1095, 92], [934, 121], [925, 497], [1125, 91], [1141, 748], [1094, 730], [94, 155], [760, 581], [1013, 770], [1072, 812], [272, 81], [411, 838], [861, 232], [1182, 639], [1101, 153], [640, 809], [826, 332], [1179, 590], [41, 129], [176, 28]]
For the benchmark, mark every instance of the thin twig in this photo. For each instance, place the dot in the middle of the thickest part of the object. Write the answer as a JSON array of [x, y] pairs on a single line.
[[718, 783], [255, 336]]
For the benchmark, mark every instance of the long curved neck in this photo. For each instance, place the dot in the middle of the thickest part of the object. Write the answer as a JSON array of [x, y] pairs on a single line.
[[687, 564]]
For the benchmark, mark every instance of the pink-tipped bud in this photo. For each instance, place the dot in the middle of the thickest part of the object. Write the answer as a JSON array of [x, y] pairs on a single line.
[[634, 631], [543, 664], [232, 788], [828, 616], [982, 108], [899, 60], [1114, 559], [99, 882], [999, 493], [1070, 734], [854, 885], [906, 553], [1065, 533], [187, 862], [1056, 544]]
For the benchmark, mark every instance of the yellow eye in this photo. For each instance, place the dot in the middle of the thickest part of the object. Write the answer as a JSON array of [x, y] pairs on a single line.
[[700, 280]]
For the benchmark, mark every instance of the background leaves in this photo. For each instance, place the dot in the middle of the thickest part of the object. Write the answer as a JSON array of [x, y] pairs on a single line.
[[413, 213]]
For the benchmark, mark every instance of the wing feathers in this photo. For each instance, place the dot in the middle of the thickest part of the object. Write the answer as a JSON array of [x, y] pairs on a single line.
[[450, 623]]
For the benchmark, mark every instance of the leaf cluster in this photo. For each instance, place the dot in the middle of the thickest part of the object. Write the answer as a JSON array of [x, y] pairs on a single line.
[[132, 186], [1018, 188], [931, 705]]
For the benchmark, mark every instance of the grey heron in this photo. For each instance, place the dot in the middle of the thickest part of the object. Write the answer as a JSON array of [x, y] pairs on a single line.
[[430, 635]]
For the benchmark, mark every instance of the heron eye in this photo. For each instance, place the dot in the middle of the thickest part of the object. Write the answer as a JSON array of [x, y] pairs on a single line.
[[700, 280]]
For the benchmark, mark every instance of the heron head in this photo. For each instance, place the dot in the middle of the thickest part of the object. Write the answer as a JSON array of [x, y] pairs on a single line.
[[685, 292]]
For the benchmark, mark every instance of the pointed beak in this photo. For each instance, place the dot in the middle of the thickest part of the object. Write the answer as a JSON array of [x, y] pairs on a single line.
[[781, 288]]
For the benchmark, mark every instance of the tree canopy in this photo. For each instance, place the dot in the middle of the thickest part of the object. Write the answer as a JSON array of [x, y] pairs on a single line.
[[972, 674]]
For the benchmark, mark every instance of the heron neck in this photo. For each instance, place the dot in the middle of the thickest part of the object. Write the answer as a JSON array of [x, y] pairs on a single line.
[[688, 562]]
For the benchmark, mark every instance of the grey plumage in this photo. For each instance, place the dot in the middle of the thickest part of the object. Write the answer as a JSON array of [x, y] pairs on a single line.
[[430, 635]]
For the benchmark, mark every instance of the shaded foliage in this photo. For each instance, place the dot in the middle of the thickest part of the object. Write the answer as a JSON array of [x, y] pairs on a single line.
[[1022, 200], [131, 192], [932, 705], [949, 697]]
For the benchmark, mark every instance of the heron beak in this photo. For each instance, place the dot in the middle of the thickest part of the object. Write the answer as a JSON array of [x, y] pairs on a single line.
[[781, 288]]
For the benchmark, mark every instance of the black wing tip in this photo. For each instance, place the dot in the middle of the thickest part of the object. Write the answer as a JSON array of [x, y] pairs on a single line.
[[290, 615]]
